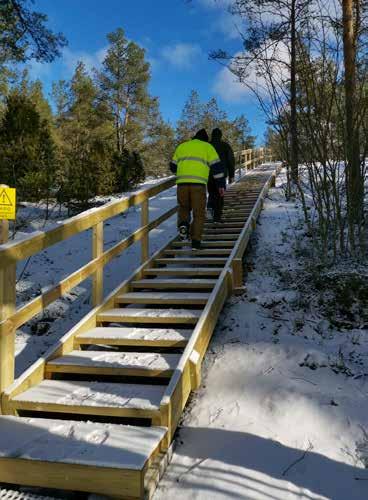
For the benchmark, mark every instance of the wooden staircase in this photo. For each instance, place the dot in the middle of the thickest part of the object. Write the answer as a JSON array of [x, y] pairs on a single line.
[[98, 412]]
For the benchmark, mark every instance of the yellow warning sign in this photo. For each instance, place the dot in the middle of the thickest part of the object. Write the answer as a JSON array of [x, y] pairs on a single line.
[[7, 203]]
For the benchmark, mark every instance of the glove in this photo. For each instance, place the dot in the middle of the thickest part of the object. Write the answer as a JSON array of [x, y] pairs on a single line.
[[222, 192]]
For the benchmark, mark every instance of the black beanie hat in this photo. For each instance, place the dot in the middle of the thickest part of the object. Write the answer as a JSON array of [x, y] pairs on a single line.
[[216, 134], [201, 135]]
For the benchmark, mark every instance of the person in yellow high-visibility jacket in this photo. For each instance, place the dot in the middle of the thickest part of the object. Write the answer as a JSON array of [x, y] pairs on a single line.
[[192, 163]]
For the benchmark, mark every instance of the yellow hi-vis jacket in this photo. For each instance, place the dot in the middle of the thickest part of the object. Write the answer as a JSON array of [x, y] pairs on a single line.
[[194, 160]]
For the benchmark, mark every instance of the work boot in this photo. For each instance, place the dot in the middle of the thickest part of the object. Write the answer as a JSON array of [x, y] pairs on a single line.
[[196, 245], [183, 232]]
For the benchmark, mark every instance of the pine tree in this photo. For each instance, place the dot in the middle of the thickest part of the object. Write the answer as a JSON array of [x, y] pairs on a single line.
[[27, 160], [190, 119], [123, 83], [159, 143], [24, 35], [84, 131]]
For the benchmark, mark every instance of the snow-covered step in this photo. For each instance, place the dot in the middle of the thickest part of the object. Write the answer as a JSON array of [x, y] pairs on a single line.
[[143, 337], [184, 271], [220, 235], [199, 261], [92, 398], [132, 315], [176, 284], [223, 225], [162, 298], [230, 218], [196, 253], [136, 364], [206, 244], [225, 230], [106, 459]]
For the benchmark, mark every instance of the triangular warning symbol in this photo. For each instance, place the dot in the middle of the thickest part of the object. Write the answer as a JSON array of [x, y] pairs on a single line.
[[4, 199]]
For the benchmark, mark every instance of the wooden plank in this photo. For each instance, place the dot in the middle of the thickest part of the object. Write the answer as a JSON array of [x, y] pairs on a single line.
[[206, 244], [183, 271], [92, 398], [145, 239], [177, 284], [130, 315], [224, 230], [73, 460], [194, 261], [130, 336], [221, 236], [162, 298], [198, 253], [136, 364], [97, 251]]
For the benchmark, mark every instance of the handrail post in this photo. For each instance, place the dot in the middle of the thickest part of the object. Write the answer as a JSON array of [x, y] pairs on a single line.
[[97, 250], [145, 239], [7, 309]]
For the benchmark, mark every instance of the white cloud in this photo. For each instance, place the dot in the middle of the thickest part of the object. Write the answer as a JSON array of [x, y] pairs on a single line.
[[228, 87], [182, 55], [90, 60], [38, 70]]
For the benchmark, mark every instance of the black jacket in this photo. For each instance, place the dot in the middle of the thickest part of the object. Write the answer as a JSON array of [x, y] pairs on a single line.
[[227, 157]]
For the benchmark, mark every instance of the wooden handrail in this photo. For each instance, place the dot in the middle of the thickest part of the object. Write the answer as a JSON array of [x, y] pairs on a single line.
[[12, 318], [39, 240]]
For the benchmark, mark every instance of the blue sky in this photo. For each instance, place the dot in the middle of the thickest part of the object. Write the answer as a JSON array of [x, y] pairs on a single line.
[[177, 35]]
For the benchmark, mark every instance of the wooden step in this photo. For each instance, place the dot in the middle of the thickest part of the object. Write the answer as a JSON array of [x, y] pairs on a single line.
[[177, 284], [231, 219], [224, 230], [94, 398], [216, 236], [203, 252], [213, 261], [206, 244], [130, 315], [77, 456], [134, 364], [183, 271], [130, 336], [223, 225], [162, 298]]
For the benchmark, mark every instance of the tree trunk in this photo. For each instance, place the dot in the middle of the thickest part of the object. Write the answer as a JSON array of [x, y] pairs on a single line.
[[293, 110], [352, 147]]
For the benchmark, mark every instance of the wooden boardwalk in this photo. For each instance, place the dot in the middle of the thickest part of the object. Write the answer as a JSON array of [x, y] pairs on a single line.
[[98, 413]]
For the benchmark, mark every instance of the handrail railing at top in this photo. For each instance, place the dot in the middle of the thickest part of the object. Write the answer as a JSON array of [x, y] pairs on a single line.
[[39, 240]]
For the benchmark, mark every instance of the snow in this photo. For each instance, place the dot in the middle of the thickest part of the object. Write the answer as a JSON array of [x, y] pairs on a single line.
[[91, 444], [277, 415], [109, 359], [101, 394], [138, 333]]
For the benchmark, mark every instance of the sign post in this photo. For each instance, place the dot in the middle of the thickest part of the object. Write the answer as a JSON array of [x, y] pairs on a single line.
[[7, 291]]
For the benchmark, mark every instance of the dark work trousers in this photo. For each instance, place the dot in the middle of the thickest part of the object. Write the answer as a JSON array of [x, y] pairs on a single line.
[[215, 201], [192, 198]]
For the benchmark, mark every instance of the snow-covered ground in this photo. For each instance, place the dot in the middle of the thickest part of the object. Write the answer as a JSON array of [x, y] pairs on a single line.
[[283, 408], [55, 263]]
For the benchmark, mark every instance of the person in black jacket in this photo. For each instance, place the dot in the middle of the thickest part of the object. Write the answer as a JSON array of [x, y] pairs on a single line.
[[226, 154]]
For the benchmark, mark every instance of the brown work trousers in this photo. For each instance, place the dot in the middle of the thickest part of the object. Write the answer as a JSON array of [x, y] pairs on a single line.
[[192, 198]]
